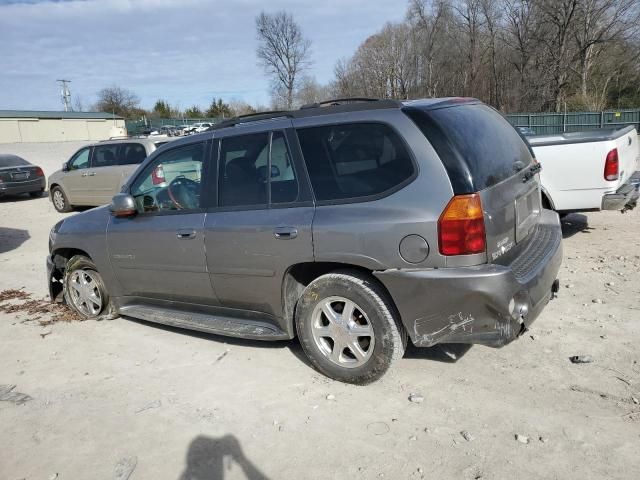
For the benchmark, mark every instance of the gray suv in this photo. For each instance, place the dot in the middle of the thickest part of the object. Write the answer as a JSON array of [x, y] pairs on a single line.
[[354, 226]]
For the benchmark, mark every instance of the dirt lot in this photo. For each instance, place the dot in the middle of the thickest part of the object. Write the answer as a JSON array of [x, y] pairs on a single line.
[[110, 397]]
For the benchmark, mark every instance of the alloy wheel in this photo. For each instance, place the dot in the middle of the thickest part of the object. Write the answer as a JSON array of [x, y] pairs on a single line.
[[85, 293], [342, 332], [58, 199]]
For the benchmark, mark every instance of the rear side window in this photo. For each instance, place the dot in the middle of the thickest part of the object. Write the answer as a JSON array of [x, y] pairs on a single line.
[[105, 155], [350, 161], [132, 153], [477, 146]]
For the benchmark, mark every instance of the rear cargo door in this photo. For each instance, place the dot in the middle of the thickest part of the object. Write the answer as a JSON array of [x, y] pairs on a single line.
[[484, 154]]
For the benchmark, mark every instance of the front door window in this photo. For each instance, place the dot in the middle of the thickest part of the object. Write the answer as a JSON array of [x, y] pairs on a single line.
[[171, 182]]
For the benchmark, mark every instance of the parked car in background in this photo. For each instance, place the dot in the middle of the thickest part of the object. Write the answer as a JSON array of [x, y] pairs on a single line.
[[354, 226], [201, 127], [526, 130], [587, 171], [19, 176], [95, 173]]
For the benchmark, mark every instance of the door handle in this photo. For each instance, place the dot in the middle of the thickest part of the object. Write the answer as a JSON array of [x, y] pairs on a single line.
[[285, 233], [90, 174], [186, 234]]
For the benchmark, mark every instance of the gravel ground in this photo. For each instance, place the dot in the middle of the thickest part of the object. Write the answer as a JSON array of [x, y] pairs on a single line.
[[127, 399]]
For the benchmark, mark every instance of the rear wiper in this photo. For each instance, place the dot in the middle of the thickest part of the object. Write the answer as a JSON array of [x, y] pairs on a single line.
[[529, 174]]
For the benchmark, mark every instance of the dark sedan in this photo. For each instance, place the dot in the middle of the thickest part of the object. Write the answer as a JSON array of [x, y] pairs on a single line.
[[19, 176]]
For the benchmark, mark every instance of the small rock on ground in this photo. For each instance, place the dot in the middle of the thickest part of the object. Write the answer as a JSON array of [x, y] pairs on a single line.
[[581, 359], [125, 467], [467, 436], [416, 398], [522, 438]]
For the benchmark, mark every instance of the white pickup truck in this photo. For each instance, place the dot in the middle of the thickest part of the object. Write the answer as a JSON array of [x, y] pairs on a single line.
[[587, 171]]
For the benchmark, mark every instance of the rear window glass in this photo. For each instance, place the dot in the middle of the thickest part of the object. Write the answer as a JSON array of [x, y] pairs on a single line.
[[12, 161], [478, 147], [354, 160]]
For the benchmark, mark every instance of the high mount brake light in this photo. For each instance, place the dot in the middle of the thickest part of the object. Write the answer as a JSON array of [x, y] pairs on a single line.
[[461, 226]]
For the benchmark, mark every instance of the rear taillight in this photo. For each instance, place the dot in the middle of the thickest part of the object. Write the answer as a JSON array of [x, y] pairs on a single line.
[[39, 172], [157, 175], [611, 165], [461, 226]]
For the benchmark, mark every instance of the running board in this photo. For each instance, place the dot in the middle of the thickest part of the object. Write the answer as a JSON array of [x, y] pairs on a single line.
[[219, 325]]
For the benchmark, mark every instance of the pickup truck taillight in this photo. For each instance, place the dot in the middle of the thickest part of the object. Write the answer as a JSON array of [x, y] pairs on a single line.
[[157, 175], [611, 165], [461, 226]]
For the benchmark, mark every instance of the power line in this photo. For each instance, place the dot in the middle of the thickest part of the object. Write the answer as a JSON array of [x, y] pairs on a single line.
[[65, 93]]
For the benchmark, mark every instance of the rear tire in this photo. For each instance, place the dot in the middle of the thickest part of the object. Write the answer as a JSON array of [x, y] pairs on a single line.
[[84, 290], [60, 201], [358, 347]]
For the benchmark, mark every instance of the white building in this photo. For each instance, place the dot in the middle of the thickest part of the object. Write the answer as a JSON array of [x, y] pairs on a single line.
[[34, 126]]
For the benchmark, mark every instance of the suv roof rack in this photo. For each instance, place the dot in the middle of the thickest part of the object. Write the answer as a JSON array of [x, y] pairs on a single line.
[[327, 107], [250, 117], [339, 101]]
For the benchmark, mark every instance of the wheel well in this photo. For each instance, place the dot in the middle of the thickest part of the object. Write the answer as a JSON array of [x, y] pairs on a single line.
[[302, 274], [61, 256], [546, 201]]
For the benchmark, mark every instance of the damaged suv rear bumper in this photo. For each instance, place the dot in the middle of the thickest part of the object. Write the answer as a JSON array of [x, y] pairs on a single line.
[[487, 304]]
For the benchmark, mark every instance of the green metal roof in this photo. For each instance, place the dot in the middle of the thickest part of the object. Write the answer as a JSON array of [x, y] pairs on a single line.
[[55, 115]]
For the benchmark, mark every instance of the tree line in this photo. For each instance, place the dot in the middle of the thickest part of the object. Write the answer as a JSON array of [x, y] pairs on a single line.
[[517, 55]]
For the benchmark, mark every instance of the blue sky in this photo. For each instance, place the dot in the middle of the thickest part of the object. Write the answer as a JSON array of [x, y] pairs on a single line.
[[185, 51]]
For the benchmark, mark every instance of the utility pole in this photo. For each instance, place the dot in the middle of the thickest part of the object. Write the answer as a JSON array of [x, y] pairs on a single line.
[[66, 94]]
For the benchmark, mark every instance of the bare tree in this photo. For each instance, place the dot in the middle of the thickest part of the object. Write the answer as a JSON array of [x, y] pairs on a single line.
[[429, 18], [283, 51], [514, 54], [78, 104], [117, 100], [600, 22]]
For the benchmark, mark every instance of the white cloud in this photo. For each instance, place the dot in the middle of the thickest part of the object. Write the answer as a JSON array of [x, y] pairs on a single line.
[[183, 51]]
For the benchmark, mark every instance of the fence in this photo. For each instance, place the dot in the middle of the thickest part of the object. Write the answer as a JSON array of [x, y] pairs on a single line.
[[137, 127], [548, 123], [540, 123]]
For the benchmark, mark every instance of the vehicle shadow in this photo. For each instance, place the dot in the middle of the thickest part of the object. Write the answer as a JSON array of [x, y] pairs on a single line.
[[575, 223], [209, 458], [21, 197], [12, 238], [293, 345], [445, 352]]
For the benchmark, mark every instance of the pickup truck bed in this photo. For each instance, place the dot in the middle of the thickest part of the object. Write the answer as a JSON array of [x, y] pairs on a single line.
[[573, 169]]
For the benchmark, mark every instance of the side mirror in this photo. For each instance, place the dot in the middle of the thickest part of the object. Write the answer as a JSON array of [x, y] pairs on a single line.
[[123, 205], [65, 167]]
